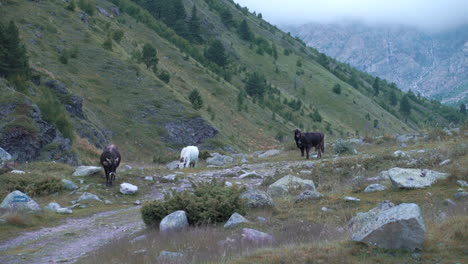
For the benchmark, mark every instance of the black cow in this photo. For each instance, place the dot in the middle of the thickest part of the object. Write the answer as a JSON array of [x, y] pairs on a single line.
[[110, 160], [305, 141]]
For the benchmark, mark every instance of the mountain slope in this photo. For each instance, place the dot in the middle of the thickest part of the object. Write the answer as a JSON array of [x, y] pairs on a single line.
[[433, 64], [110, 96]]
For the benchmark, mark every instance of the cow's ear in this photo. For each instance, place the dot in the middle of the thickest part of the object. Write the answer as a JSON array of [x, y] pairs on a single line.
[[105, 163]]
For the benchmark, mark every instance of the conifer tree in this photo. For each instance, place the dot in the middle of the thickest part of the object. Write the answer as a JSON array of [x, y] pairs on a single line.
[[215, 53], [376, 86], [244, 31], [13, 56], [393, 98], [149, 57], [194, 27], [256, 85], [196, 99], [405, 106]]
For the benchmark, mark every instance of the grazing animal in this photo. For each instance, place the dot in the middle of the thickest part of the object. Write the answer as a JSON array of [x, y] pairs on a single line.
[[305, 141], [188, 157], [110, 160]]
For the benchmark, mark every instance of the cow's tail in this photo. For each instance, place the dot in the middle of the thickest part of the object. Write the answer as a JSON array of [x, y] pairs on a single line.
[[322, 143]]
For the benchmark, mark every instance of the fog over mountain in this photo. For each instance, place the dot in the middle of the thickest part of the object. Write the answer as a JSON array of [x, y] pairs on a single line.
[[433, 15]]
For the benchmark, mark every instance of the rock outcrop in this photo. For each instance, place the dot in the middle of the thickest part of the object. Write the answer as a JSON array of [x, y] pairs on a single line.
[[282, 186], [174, 221], [19, 201], [414, 178]]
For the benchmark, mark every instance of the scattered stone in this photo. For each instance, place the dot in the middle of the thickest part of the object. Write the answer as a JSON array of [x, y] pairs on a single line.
[[325, 209], [107, 202], [462, 183], [374, 188], [174, 221], [127, 188], [115, 11], [257, 199], [308, 164], [82, 181], [461, 195], [414, 178], [126, 167], [64, 211], [149, 178], [449, 202], [309, 195], [261, 219], [391, 227], [170, 255], [235, 220], [69, 185], [137, 202], [86, 170], [256, 236], [305, 172], [282, 186], [169, 178], [18, 172], [352, 199], [400, 154], [53, 206], [250, 175], [21, 201], [228, 184], [173, 165], [88, 196], [445, 162], [103, 11], [269, 153], [219, 160]]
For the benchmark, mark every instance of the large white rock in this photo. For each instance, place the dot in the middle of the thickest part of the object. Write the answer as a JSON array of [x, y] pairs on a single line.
[[174, 221], [127, 188], [4, 155], [374, 188], [269, 153], [391, 227], [414, 178], [256, 236], [282, 186], [88, 196], [257, 199], [21, 201], [86, 170]]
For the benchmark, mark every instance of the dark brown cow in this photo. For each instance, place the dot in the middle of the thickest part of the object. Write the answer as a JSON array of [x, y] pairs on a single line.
[[305, 141], [110, 160]]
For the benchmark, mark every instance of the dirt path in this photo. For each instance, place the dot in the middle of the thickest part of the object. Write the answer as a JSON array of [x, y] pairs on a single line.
[[71, 240]]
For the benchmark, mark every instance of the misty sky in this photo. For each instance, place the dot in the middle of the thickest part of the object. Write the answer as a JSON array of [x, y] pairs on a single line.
[[427, 14]]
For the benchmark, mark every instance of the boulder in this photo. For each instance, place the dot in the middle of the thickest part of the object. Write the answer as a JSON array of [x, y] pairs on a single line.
[[257, 199], [173, 165], [149, 178], [64, 211], [103, 11], [282, 186], [18, 172], [219, 160], [86, 170], [308, 164], [461, 195], [352, 199], [256, 236], [391, 227], [462, 183], [170, 255], [127, 188], [414, 178], [69, 185], [309, 195], [169, 178], [88, 196], [400, 154], [235, 220], [4, 155], [21, 201], [174, 221], [53, 206], [374, 188], [445, 162], [269, 153]]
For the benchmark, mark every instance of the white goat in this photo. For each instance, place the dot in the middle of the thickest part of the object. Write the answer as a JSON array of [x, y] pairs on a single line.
[[188, 157]]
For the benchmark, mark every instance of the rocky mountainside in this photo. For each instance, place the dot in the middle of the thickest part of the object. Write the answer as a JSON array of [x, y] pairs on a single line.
[[155, 78], [433, 64]]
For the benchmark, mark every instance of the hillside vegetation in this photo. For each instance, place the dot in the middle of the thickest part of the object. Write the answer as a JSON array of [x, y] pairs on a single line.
[[155, 76]]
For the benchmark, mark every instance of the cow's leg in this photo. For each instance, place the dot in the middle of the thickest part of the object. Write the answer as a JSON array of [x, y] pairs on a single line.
[[107, 176], [307, 152], [302, 151], [319, 153]]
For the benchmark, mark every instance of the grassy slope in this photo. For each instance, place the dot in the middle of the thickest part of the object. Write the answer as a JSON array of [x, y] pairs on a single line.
[[116, 90]]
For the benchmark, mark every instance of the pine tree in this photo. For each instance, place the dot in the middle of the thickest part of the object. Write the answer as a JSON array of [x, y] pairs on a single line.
[[196, 99], [405, 106], [215, 53], [226, 18], [376, 86], [194, 27], [463, 109], [244, 31], [393, 98], [255, 85], [13, 56]]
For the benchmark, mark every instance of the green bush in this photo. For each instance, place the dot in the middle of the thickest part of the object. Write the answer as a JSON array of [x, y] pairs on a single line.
[[107, 44], [337, 89], [30, 184], [118, 35], [208, 203], [204, 154], [88, 6], [196, 99], [342, 147], [164, 76], [71, 6]]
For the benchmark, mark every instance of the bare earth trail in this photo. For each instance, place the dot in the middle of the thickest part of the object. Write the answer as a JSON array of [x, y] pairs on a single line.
[[68, 242]]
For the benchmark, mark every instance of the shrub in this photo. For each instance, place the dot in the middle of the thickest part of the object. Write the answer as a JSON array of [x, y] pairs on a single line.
[[63, 57], [342, 147], [208, 203], [88, 6], [118, 35], [337, 89], [30, 184], [204, 154], [71, 6], [107, 44], [164, 76], [316, 117], [196, 99]]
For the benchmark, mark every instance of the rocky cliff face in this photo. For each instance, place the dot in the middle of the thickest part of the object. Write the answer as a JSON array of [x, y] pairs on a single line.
[[433, 64]]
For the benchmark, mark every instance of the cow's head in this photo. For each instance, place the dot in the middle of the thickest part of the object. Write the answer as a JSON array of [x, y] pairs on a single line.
[[181, 163], [111, 164], [297, 137]]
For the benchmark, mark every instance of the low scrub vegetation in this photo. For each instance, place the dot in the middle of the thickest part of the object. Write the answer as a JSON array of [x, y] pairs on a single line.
[[30, 184], [209, 203]]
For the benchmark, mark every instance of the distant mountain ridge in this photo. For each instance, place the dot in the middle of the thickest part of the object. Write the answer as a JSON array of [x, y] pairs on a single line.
[[433, 64]]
